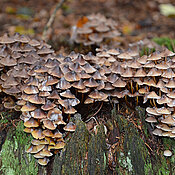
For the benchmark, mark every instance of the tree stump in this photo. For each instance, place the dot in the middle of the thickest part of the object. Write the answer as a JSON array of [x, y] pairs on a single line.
[[127, 149]]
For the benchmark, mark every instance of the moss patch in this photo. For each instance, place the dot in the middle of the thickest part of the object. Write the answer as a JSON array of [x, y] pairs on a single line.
[[164, 41], [84, 153], [14, 160]]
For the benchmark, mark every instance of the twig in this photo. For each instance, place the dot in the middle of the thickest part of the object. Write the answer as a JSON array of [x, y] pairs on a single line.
[[92, 117], [51, 19]]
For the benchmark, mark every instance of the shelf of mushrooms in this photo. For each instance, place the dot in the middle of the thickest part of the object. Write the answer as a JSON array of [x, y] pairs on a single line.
[[50, 89]]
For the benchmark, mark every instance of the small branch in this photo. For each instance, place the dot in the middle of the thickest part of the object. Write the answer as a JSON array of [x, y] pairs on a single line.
[[92, 117], [51, 19]]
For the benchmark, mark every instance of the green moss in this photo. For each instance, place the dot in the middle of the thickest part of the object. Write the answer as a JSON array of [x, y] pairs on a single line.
[[165, 41], [84, 153], [13, 157], [133, 155], [4, 117], [73, 160], [146, 51], [97, 153]]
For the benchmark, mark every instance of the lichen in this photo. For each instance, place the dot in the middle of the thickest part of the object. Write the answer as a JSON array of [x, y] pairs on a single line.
[[13, 157]]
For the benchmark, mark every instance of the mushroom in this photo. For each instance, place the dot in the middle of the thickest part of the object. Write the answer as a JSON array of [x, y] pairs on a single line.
[[167, 153]]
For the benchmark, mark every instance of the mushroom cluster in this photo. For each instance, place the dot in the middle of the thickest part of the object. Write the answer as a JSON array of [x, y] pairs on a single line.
[[50, 89], [18, 54], [150, 77], [94, 29]]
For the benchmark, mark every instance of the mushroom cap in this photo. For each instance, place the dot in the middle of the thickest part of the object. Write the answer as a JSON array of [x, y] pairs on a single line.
[[37, 134], [157, 132], [70, 127], [51, 81], [49, 124], [5, 39], [151, 119], [57, 134], [37, 148], [31, 123], [140, 73], [45, 153], [54, 95], [170, 84], [44, 93], [43, 161], [163, 127], [154, 72], [95, 94], [28, 107], [89, 69], [155, 56], [119, 83], [79, 85], [152, 111], [59, 145], [153, 95], [163, 110], [112, 77], [127, 73], [167, 153], [164, 100], [63, 84], [56, 72], [125, 55], [48, 106], [72, 76], [90, 83], [168, 120], [35, 99], [70, 110], [48, 133], [67, 94], [38, 114], [28, 130]]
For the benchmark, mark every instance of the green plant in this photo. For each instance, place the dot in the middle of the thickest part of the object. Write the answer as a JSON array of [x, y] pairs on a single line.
[[165, 41]]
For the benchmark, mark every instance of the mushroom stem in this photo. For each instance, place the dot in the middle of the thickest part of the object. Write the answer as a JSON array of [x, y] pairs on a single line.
[[82, 97], [63, 110], [137, 87], [151, 103], [69, 117], [118, 107], [126, 98], [137, 100], [160, 93], [154, 102], [127, 102], [131, 87], [154, 79]]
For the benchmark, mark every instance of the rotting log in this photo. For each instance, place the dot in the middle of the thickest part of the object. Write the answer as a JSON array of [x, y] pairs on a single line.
[[133, 151], [83, 154], [87, 153]]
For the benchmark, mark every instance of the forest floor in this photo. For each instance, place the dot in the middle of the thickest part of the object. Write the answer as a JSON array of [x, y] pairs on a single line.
[[137, 19]]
